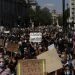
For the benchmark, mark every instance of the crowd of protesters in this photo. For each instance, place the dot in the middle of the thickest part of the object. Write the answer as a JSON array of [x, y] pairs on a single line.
[[64, 43]]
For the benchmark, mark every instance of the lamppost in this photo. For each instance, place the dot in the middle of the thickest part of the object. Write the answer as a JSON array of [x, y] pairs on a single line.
[[63, 7], [67, 21]]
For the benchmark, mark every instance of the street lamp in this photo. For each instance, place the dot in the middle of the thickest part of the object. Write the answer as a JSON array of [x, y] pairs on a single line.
[[63, 7]]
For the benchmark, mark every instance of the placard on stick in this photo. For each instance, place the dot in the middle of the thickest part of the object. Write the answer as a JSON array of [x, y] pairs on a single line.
[[12, 47], [31, 67]]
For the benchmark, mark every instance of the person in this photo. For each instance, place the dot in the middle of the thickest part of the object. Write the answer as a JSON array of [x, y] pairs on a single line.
[[66, 70], [73, 63], [32, 52], [1, 60], [26, 53], [5, 71], [12, 65]]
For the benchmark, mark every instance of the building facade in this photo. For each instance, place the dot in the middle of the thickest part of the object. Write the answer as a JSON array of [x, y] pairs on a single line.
[[72, 10], [14, 12], [54, 17]]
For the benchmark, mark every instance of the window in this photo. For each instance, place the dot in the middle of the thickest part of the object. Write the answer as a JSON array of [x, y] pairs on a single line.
[[72, 3]]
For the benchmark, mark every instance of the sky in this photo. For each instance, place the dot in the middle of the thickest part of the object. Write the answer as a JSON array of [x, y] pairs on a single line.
[[52, 4]]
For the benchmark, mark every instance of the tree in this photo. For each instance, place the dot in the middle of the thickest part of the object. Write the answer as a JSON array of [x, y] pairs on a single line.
[[45, 16], [42, 16]]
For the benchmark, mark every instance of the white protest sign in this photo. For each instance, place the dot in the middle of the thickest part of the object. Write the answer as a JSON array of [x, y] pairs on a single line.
[[6, 32], [35, 37], [53, 61]]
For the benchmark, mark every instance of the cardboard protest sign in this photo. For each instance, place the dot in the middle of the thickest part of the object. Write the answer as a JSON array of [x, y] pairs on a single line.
[[53, 62], [35, 37], [12, 47], [1, 42], [31, 67]]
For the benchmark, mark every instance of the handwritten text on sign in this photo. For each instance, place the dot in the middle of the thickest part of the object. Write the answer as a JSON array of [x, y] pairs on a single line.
[[32, 67], [35, 37]]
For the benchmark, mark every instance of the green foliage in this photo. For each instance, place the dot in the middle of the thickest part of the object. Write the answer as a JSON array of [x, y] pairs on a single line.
[[42, 16]]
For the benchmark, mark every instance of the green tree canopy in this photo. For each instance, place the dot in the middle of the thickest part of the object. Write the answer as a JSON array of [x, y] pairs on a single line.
[[41, 15]]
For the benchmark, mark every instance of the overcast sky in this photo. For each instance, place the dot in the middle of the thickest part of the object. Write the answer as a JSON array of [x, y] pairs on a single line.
[[52, 4]]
